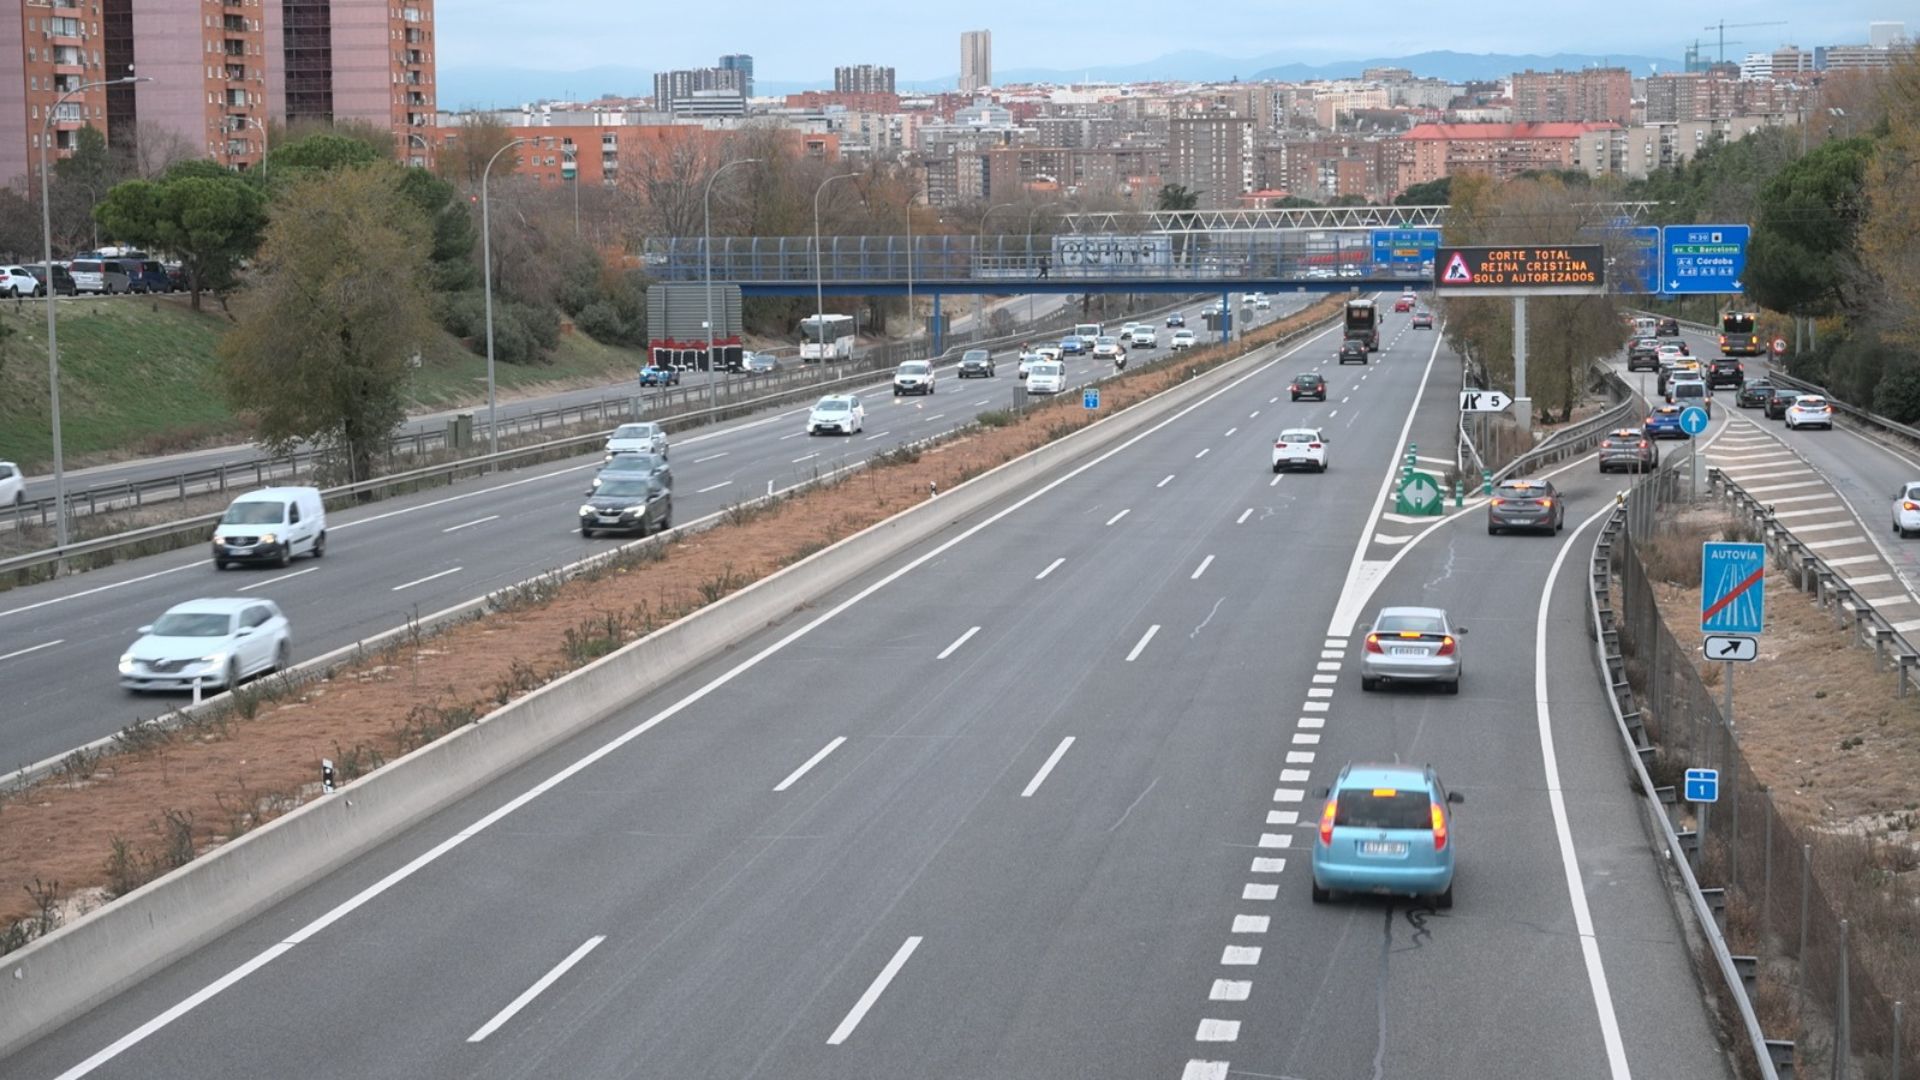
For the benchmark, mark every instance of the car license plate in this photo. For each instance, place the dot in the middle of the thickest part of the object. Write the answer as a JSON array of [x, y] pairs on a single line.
[[1408, 652], [1382, 847]]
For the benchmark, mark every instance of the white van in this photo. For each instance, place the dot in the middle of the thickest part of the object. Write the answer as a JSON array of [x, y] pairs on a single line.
[[1086, 332], [271, 525]]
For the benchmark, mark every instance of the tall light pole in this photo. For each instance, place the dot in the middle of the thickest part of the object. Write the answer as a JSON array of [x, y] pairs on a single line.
[[819, 286], [980, 242], [570, 171], [486, 270], [263, 145], [913, 191], [706, 252], [416, 137], [46, 257]]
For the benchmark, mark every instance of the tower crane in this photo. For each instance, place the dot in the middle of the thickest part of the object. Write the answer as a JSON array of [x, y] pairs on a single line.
[[1722, 25]]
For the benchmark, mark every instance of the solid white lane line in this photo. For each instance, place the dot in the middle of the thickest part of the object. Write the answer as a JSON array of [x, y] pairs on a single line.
[[1051, 567], [471, 524], [816, 759], [1202, 568], [957, 642], [882, 435], [1142, 644], [267, 582], [1120, 515], [424, 580], [1203, 453], [1053, 759], [710, 457], [1244, 515], [873, 993], [1165, 482], [805, 457], [536, 989], [33, 648], [713, 487], [1563, 831]]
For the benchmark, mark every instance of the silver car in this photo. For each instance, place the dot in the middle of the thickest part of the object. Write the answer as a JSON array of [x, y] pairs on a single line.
[[1412, 644]]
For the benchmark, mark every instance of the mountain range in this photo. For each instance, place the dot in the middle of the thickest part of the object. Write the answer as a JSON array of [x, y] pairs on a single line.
[[465, 88]]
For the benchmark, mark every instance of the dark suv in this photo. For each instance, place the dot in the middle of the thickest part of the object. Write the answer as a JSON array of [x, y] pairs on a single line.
[[1643, 354], [1726, 371], [1354, 351], [1308, 384], [1776, 407], [1667, 327]]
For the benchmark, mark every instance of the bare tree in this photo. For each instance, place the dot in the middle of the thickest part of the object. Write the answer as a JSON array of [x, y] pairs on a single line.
[[153, 149]]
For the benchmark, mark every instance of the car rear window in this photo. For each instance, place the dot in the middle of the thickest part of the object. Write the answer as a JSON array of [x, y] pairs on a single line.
[[1383, 808], [1419, 624]]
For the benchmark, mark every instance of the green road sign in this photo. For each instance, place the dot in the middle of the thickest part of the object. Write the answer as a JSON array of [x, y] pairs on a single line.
[[1421, 495]]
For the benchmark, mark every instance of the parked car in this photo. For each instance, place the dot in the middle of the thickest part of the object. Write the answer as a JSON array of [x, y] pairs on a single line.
[[1754, 394], [913, 377], [178, 277], [1353, 351], [1809, 410], [1630, 450], [1423, 320], [15, 281], [1308, 384], [639, 504], [1526, 504], [1412, 644], [631, 465], [975, 363], [1386, 830], [148, 276], [100, 276], [271, 525], [214, 643], [13, 486], [62, 280], [1300, 448], [1906, 511], [644, 437], [656, 375], [841, 413], [1182, 339]]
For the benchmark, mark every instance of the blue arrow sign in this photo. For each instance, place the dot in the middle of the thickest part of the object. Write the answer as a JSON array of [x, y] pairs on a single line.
[[1703, 785], [1091, 399], [1694, 420], [1702, 258], [1733, 588]]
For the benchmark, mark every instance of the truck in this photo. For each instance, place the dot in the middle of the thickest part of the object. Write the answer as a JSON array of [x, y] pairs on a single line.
[[1363, 323], [1739, 334]]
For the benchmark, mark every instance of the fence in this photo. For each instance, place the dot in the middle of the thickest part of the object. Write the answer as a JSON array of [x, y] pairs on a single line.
[[1825, 936]]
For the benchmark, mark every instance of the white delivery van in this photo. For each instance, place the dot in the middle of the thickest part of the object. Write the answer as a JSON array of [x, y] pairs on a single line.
[[271, 525]]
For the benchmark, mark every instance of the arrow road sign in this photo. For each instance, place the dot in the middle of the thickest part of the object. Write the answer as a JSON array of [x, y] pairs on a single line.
[[1729, 647], [1703, 785], [1484, 401], [1733, 597], [1703, 258], [1693, 420]]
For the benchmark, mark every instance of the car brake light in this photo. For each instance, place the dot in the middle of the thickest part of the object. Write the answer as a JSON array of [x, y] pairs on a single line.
[[1279, 446], [1828, 408], [1326, 823], [1546, 502], [1643, 444], [1910, 505], [1294, 387], [1313, 446], [1499, 502], [1446, 646], [1439, 827], [1373, 644]]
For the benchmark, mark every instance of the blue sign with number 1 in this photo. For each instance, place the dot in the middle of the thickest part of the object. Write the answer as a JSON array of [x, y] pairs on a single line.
[[1091, 399]]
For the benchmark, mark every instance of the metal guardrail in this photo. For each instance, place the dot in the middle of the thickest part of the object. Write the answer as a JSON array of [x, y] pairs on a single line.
[[867, 368], [1577, 438]]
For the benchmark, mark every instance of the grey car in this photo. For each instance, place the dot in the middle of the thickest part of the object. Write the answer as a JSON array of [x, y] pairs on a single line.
[[1412, 644], [976, 362], [633, 465], [1525, 504], [627, 504], [1628, 449]]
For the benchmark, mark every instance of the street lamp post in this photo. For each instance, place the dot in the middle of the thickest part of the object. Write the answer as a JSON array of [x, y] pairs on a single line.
[[46, 256], [912, 192], [263, 145], [980, 242], [819, 286], [706, 253], [416, 137], [570, 171], [486, 269]]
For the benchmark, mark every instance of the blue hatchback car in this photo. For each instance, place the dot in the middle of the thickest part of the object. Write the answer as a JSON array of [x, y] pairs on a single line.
[[1386, 830], [1664, 423], [1072, 345]]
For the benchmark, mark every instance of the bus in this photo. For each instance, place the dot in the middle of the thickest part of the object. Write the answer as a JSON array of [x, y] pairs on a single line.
[[826, 337], [1363, 323], [1739, 334]]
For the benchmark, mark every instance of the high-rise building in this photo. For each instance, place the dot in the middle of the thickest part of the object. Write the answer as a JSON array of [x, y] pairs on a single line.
[[1591, 95], [976, 61], [1886, 35], [44, 53], [208, 75], [743, 64], [863, 79], [678, 91], [364, 61], [1212, 156]]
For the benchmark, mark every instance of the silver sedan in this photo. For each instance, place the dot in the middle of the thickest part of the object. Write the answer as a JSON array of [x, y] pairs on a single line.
[[1412, 644]]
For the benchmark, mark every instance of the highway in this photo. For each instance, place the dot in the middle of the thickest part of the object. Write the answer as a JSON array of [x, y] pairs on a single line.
[[167, 465], [1034, 801], [421, 553]]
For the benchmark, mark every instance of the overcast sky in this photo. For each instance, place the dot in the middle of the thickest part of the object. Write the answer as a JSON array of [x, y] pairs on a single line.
[[804, 41]]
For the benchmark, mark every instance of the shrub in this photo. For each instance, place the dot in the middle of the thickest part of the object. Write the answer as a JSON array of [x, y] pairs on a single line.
[[601, 321]]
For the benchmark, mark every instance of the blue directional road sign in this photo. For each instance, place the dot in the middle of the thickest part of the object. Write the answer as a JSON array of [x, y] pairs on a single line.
[[1404, 247], [1637, 269], [1091, 399], [1733, 588], [1694, 420], [1703, 785], [1702, 258]]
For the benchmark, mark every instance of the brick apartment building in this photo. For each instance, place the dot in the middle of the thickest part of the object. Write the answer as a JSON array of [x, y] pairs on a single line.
[[1503, 151], [221, 71], [602, 151], [1592, 95], [1213, 156]]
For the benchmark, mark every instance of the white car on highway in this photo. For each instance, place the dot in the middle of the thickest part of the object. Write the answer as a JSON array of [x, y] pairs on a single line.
[[1300, 448], [1182, 339], [1261, 303], [1108, 348], [1143, 337], [13, 486], [642, 438], [1809, 410], [1046, 378], [1906, 510], [215, 643], [913, 377], [836, 414]]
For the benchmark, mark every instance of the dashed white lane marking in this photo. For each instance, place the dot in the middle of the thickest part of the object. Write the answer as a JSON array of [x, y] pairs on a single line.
[[713, 487], [471, 524], [1276, 840], [710, 457], [1299, 757], [1203, 453], [1765, 489], [873, 993], [1205, 1070], [1230, 432], [1327, 665], [1165, 482], [424, 580], [1319, 693], [1119, 515], [1852, 583], [1142, 643], [264, 584], [816, 759], [1811, 511], [1328, 679], [1333, 414], [881, 435], [1277, 477], [1283, 817], [935, 416], [1332, 654], [1218, 1031], [1253, 414], [983, 401], [1053, 759], [1251, 924], [1240, 955], [1305, 738], [1292, 776], [1257, 891], [1264, 865], [1244, 515], [42, 645], [805, 457], [1289, 795], [1334, 643], [1344, 400], [536, 989], [1051, 567], [1230, 990], [1313, 721], [1273, 400], [1315, 706], [1850, 560], [1908, 626], [1844, 541], [795, 435], [1201, 569], [1826, 526], [957, 642]]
